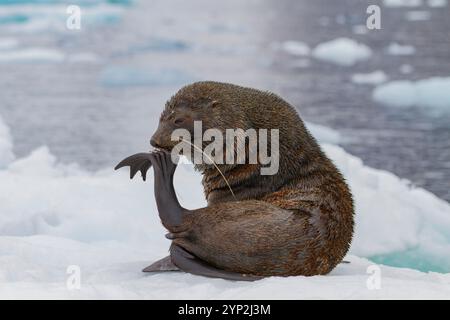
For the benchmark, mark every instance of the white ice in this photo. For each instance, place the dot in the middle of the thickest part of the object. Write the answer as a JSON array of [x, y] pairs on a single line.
[[55, 215], [375, 77], [342, 51], [437, 3], [402, 3], [296, 48], [432, 94], [397, 49]]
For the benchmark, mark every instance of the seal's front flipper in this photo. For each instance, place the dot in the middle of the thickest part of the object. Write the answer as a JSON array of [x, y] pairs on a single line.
[[137, 162], [191, 264], [164, 264]]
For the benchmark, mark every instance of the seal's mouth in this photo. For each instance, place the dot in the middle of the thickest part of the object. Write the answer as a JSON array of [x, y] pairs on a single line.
[[156, 149]]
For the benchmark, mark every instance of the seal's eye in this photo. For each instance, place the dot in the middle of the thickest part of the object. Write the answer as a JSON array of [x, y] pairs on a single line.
[[179, 121]]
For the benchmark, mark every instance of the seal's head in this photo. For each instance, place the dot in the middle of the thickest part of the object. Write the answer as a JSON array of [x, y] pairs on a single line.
[[206, 102]]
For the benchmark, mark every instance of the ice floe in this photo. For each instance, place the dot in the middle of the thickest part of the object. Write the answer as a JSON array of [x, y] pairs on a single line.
[[342, 51]]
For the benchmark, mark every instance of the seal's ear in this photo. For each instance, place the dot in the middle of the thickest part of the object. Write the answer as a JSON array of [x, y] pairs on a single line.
[[213, 103], [207, 103]]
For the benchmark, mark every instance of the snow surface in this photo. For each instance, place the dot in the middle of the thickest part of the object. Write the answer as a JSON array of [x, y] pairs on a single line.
[[375, 77], [342, 51], [431, 93], [55, 215]]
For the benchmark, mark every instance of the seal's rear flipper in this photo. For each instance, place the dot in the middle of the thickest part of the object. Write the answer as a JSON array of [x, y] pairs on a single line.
[[165, 264], [191, 264]]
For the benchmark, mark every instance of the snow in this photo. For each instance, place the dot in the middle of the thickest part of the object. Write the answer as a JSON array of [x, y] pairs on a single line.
[[431, 93], [402, 3], [393, 216], [375, 77], [296, 48], [342, 51], [55, 215], [397, 49]]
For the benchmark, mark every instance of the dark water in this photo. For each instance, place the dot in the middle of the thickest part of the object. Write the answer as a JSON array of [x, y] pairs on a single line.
[[94, 113]]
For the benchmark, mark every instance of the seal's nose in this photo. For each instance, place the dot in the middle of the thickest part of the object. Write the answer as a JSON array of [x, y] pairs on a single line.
[[154, 142]]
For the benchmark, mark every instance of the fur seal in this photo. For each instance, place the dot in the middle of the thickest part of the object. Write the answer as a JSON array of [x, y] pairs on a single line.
[[298, 221]]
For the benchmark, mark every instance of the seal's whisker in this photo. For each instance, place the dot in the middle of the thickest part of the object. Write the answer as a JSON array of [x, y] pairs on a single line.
[[214, 163]]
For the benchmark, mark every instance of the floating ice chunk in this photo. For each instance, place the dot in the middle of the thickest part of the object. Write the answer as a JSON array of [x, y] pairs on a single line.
[[32, 55], [437, 3], [342, 51], [402, 3], [296, 48], [432, 93], [129, 76], [396, 94], [396, 49], [375, 77], [418, 15]]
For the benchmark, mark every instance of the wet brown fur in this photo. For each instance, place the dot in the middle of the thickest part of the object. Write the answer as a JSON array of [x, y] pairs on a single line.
[[296, 222]]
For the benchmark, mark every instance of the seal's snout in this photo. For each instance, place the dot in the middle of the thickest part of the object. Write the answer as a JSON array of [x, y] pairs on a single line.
[[154, 142]]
